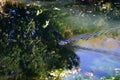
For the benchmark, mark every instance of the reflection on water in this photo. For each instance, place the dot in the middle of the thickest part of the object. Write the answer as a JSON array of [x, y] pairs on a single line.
[[88, 35], [101, 59], [99, 54]]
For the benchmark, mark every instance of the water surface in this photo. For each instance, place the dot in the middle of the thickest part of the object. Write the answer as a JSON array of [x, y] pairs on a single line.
[[101, 59]]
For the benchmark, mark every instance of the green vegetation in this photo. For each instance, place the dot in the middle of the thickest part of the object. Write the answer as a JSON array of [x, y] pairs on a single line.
[[29, 36], [115, 77]]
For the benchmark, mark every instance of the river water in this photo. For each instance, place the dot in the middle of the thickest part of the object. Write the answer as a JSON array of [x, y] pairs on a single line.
[[102, 58], [99, 57], [99, 54]]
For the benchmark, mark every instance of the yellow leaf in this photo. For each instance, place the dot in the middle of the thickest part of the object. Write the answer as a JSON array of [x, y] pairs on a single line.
[[38, 12]]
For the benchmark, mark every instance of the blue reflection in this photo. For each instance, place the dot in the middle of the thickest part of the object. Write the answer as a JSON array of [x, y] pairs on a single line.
[[8, 41], [33, 32], [11, 33], [12, 11]]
